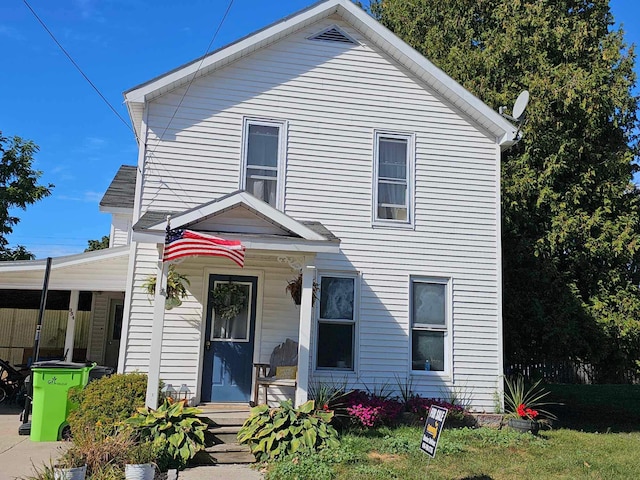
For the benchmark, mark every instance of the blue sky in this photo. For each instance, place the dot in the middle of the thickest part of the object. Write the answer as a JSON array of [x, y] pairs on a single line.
[[118, 44]]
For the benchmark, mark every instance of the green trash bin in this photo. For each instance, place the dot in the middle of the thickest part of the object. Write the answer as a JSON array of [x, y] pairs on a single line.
[[51, 384]]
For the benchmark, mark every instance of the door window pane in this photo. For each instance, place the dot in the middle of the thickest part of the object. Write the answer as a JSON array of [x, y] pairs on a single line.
[[236, 328], [117, 322]]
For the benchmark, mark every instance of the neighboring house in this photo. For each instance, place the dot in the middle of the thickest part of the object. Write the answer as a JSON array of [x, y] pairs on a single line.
[[331, 149], [95, 278]]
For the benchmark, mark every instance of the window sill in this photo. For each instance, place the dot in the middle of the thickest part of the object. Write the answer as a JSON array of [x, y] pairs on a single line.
[[332, 370], [432, 374], [401, 225]]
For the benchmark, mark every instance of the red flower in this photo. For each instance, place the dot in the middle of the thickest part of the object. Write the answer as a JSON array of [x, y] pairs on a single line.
[[525, 412]]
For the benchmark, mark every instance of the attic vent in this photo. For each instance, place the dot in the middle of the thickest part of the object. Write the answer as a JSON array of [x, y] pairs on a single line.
[[333, 34]]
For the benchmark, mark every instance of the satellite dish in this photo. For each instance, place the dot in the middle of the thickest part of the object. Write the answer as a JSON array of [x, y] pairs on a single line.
[[518, 108], [521, 105]]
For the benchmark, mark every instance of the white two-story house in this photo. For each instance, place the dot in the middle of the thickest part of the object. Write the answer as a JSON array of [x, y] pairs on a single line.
[[329, 148], [333, 151]]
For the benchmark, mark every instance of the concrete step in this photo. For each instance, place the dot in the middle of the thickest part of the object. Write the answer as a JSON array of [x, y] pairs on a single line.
[[225, 435], [231, 453], [225, 421]]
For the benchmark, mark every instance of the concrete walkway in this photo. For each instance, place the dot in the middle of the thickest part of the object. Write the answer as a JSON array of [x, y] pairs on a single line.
[[19, 455]]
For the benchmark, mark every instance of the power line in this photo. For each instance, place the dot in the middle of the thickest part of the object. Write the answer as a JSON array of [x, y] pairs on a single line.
[[78, 67], [215, 34]]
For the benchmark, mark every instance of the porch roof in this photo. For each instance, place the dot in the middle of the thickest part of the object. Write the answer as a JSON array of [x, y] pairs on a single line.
[[101, 270], [257, 224]]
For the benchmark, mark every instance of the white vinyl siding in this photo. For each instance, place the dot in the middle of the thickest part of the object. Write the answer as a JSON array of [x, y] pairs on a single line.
[[334, 96], [120, 230], [392, 181], [263, 160]]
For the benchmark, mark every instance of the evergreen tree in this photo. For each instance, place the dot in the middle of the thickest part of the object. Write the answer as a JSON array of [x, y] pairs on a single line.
[[571, 216]]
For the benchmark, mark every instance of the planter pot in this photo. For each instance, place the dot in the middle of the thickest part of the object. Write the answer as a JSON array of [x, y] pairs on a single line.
[[143, 471], [76, 473], [524, 425]]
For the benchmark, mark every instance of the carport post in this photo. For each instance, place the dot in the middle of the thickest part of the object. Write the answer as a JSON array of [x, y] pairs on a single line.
[[71, 325]]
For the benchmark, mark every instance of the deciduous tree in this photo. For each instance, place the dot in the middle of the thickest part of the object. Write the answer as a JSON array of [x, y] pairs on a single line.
[[18, 188]]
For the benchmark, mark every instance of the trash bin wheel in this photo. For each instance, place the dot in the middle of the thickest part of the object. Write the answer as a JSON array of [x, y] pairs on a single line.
[[66, 435]]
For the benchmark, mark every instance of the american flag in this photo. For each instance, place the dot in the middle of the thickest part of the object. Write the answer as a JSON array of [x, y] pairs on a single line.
[[181, 243]]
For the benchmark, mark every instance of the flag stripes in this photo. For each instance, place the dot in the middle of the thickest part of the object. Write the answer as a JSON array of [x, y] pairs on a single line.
[[182, 243]]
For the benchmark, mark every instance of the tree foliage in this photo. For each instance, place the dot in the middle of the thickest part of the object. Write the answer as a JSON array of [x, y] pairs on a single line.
[[18, 188], [571, 216], [97, 244]]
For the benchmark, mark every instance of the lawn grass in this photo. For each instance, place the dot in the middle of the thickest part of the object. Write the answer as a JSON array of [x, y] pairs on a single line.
[[467, 454], [597, 436]]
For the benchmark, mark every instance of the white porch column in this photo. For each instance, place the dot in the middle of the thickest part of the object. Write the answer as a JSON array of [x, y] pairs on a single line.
[[304, 336], [157, 329], [71, 325]]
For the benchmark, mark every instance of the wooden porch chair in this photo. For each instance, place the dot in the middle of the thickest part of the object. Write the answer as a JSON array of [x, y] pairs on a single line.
[[281, 371]]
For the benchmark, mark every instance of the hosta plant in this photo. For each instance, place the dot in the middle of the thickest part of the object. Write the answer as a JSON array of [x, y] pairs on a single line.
[[274, 433], [179, 425]]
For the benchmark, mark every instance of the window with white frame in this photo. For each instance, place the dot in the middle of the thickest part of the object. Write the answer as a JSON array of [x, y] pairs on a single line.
[[393, 165], [264, 146], [430, 312], [337, 316]]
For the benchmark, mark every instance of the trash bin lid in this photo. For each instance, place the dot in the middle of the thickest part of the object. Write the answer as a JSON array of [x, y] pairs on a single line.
[[61, 364]]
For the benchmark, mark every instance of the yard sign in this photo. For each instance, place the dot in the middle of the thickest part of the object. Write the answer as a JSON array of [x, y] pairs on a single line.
[[432, 428]]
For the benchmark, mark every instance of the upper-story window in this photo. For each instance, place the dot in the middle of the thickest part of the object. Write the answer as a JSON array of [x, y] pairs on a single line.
[[263, 160], [393, 177]]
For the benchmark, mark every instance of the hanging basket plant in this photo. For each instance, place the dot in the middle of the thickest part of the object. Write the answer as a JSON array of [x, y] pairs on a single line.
[[229, 299], [294, 287], [176, 287]]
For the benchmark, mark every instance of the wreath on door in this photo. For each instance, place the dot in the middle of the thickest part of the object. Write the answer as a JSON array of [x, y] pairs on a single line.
[[228, 299]]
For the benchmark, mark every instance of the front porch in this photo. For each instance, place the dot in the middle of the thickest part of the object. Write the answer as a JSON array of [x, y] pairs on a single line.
[[192, 346]]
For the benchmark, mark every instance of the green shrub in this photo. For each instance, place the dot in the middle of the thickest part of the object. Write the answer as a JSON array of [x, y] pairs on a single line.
[[275, 433], [107, 401], [177, 427]]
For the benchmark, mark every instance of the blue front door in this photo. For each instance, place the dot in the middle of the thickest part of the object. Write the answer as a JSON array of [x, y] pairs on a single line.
[[228, 354]]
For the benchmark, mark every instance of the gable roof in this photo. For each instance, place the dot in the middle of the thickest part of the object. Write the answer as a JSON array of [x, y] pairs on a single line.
[[482, 114], [282, 229], [121, 192]]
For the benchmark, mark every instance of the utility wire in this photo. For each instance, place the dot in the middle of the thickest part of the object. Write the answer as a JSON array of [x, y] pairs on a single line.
[[78, 67], [193, 77]]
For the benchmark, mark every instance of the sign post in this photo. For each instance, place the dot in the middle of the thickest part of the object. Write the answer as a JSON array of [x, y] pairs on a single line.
[[432, 428]]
